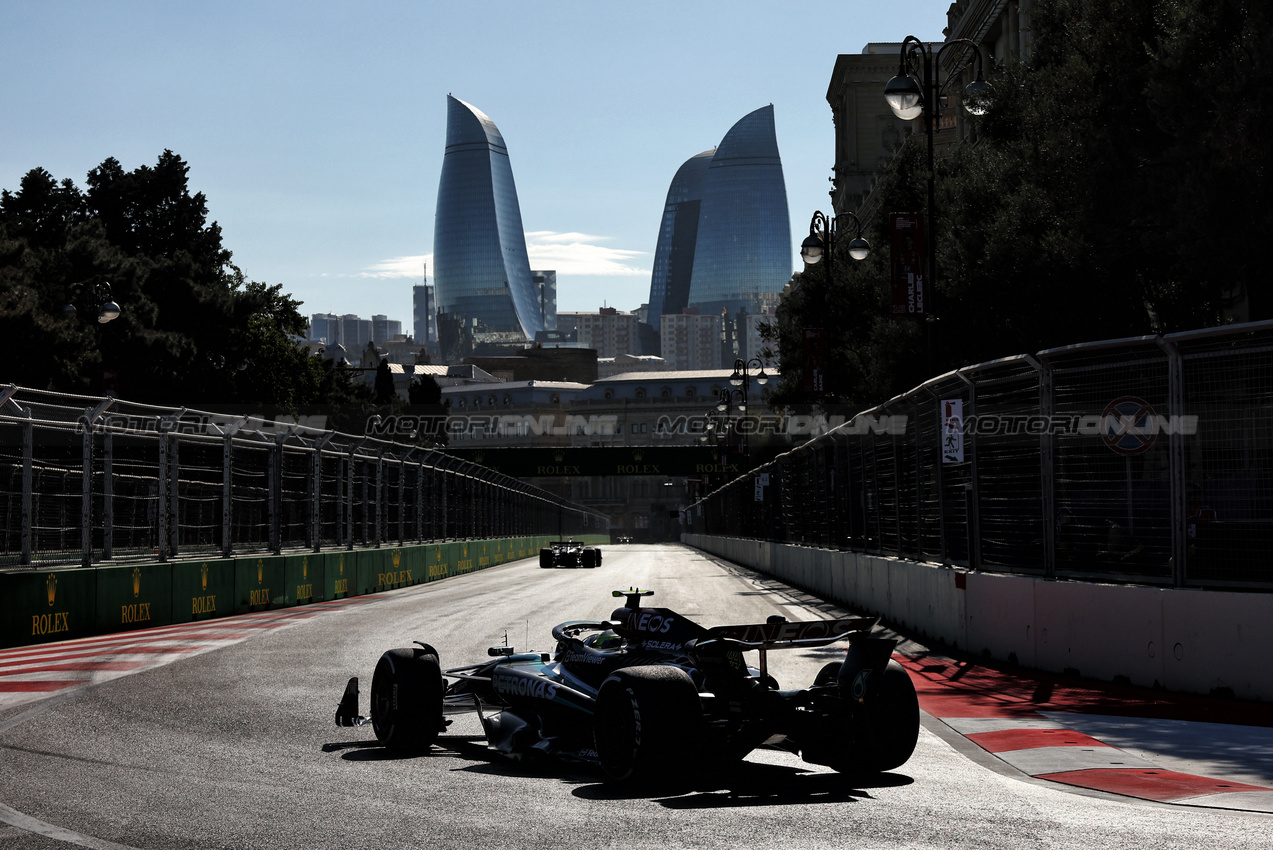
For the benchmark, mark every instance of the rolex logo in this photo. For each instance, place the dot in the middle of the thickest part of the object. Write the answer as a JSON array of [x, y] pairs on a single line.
[[260, 572], [204, 573], [397, 557], [51, 582], [342, 565], [637, 456], [305, 567], [559, 456], [136, 582]]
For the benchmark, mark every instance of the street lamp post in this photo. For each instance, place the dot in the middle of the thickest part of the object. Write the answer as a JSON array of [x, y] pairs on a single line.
[[824, 233], [911, 98], [107, 309]]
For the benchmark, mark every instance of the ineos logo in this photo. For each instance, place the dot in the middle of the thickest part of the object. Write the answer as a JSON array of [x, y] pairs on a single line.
[[654, 623]]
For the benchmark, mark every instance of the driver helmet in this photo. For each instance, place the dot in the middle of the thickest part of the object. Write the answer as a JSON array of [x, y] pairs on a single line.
[[605, 640]]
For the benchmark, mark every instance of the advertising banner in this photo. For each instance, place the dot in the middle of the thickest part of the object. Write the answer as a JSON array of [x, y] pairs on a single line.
[[815, 361], [909, 252]]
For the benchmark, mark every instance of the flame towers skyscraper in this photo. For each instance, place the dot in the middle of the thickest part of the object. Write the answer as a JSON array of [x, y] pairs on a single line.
[[484, 288], [725, 239]]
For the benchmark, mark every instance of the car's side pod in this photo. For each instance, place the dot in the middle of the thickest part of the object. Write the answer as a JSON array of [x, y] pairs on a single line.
[[864, 666]]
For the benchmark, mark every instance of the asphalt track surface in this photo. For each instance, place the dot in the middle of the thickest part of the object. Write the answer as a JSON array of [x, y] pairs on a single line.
[[229, 742]]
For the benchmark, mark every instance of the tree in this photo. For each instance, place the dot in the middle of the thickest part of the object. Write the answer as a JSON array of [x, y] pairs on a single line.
[[193, 329], [1118, 186]]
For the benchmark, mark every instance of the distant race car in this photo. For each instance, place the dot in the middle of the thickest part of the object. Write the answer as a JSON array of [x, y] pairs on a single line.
[[623, 539], [568, 553], [649, 694]]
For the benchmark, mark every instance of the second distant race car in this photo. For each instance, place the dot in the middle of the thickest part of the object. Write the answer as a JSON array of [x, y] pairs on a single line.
[[568, 553]]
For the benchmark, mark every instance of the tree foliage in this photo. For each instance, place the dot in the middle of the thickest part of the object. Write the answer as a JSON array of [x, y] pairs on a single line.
[[1118, 186], [193, 329]]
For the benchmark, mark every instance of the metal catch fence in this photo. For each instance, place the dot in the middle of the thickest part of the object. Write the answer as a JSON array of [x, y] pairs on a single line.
[[88, 480], [1144, 460]]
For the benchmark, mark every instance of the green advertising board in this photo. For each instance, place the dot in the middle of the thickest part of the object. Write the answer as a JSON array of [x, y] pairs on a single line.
[[259, 583], [303, 578], [202, 590], [47, 606], [133, 597]]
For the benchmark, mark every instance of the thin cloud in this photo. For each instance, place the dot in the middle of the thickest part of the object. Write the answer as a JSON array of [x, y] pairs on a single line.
[[565, 253], [398, 267], [579, 254]]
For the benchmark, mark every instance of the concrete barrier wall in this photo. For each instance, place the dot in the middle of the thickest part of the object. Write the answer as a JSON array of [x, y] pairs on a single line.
[[39, 606], [1193, 641]]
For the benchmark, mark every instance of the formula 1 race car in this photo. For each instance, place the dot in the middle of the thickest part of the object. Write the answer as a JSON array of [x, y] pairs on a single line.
[[650, 693], [568, 553]]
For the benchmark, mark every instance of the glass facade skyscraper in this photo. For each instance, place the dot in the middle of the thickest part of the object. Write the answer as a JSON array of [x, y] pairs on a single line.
[[678, 234], [744, 249], [482, 277]]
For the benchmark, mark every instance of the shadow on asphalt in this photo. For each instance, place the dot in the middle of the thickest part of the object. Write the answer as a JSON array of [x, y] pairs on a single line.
[[743, 784], [751, 784]]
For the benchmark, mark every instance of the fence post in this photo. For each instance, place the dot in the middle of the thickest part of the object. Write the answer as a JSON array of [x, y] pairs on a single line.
[[108, 495], [315, 514], [349, 503], [28, 450], [972, 505], [86, 494], [1176, 471], [162, 507], [174, 493], [1047, 469]]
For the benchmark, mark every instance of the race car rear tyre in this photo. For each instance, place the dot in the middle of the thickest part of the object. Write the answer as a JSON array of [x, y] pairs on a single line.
[[591, 558], [892, 723], [406, 698], [546, 559], [648, 721]]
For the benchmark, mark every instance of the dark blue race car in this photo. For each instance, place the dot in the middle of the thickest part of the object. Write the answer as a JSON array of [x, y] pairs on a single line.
[[649, 692]]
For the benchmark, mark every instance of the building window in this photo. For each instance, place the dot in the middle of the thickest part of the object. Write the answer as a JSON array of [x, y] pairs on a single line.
[[640, 393], [665, 393], [609, 394], [690, 392], [508, 399], [554, 398]]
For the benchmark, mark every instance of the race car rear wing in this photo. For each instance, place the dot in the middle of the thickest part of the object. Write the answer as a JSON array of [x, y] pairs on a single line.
[[780, 634]]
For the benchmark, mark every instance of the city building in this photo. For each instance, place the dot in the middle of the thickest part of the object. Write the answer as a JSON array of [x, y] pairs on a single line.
[[691, 341], [325, 328], [678, 235], [609, 331], [545, 281], [486, 295], [384, 329], [424, 313], [867, 133], [743, 248]]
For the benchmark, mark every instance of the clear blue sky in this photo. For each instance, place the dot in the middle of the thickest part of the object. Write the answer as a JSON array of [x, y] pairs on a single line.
[[316, 129]]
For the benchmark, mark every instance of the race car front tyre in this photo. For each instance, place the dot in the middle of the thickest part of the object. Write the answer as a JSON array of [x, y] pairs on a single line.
[[648, 721], [406, 698], [546, 559], [892, 722]]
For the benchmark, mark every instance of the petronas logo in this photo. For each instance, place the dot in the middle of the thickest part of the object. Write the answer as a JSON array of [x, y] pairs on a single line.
[[51, 582], [136, 582]]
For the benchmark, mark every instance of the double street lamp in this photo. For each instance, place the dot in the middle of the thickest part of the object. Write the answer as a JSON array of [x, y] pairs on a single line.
[[107, 309], [917, 92], [824, 232]]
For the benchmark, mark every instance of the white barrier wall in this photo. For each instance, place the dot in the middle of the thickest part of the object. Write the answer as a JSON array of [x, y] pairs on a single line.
[[1192, 641]]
